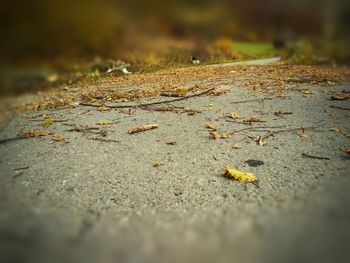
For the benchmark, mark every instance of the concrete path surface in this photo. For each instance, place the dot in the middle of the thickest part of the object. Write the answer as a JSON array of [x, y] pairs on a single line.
[[159, 195]]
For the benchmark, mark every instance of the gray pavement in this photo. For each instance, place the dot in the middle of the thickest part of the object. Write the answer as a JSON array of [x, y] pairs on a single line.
[[98, 201]]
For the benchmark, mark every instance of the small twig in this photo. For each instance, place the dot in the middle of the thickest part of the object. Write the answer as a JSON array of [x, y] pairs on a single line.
[[340, 108], [314, 157], [146, 104], [12, 139], [17, 175], [102, 139], [21, 168], [262, 99]]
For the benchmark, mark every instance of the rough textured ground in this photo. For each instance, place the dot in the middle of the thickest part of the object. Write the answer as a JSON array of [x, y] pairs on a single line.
[[89, 200]]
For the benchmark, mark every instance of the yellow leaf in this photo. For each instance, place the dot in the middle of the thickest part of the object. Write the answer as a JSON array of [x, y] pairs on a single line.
[[234, 115], [57, 138], [47, 122], [238, 175], [210, 126], [330, 83], [103, 108], [104, 122], [210, 105]]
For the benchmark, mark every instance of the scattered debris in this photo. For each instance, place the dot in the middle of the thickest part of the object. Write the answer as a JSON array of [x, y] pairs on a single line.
[[142, 128], [340, 108], [305, 155], [250, 120], [171, 143], [239, 176], [98, 138]]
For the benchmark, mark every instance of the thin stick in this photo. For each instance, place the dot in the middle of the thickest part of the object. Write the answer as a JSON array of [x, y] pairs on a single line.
[[11, 139], [262, 99], [259, 127], [147, 104], [314, 157], [340, 108], [21, 168]]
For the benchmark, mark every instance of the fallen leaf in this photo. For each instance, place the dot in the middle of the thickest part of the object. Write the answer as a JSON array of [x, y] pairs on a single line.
[[47, 122], [210, 105], [103, 108], [345, 149], [142, 128], [302, 133], [307, 92], [337, 130], [104, 122], [330, 83], [192, 111], [340, 97], [157, 164], [36, 133], [237, 146], [239, 176], [210, 126], [57, 137], [260, 140], [234, 115], [171, 143], [216, 135]]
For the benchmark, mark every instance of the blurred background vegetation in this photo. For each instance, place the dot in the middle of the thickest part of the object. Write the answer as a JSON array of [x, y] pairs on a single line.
[[68, 35]]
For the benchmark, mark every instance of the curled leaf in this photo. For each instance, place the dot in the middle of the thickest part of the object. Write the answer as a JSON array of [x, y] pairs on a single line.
[[103, 108], [239, 176], [345, 149]]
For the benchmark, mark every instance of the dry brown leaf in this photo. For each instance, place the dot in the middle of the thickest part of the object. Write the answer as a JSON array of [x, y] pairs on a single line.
[[57, 137], [340, 97], [36, 133], [307, 92], [171, 143], [157, 164], [302, 133], [260, 140], [345, 149], [252, 119], [142, 128], [337, 130]]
